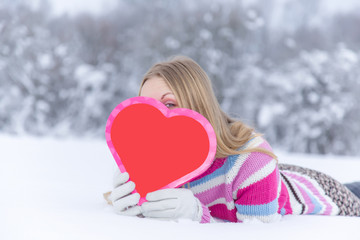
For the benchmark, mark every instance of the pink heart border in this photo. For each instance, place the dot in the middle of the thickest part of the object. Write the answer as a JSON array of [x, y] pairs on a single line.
[[167, 113]]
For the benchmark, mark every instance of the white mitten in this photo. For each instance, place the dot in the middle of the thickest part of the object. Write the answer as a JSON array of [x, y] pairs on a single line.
[[172, 204], [123, 200]]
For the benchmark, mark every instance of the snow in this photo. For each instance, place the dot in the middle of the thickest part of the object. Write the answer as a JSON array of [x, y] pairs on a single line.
[[343, 168], [52, 189]]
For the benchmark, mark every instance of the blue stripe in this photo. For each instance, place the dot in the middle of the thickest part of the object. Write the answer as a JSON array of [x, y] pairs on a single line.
[[224, 169], [258, 210], [318, 206], [283, 211]]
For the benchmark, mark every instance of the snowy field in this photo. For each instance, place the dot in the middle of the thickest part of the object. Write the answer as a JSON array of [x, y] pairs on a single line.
[[52, 189]]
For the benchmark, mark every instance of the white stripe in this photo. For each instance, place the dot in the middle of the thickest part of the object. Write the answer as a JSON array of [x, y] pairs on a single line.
[[258, 175], [334, 208], [208, 185], [230, 174], [299, 194], [306, 189], [295, 205], [234, 171], [223, 178], [257, 141]]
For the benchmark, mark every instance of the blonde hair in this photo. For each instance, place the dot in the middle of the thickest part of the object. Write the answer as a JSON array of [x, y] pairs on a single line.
[[193, 90]]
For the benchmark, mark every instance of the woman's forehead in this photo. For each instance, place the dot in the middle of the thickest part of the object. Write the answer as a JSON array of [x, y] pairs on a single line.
[[155, 87]]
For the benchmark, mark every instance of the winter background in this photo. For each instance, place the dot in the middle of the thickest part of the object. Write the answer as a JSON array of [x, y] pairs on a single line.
[[289, 68]]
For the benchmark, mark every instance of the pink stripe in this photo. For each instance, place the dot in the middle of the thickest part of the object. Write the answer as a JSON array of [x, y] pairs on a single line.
[[261, 192], [307, 199], [284, 201], [206, 217], [216, 192], [311, 187], [266, 146], [221, 211], [253, 163]]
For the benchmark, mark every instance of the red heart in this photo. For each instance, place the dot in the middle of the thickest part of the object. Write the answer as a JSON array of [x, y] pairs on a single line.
[[158, 147]]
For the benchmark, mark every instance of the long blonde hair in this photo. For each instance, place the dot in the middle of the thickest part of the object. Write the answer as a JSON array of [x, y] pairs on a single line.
[[193, 90]]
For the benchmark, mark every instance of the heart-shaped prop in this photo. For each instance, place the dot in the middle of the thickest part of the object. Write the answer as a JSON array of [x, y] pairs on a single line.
[[158, 147]]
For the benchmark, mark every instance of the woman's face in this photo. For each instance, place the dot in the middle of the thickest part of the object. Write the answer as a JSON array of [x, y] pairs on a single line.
[[157, 88]]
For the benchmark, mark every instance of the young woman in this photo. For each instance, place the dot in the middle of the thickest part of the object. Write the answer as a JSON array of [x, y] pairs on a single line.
[[244, 182]]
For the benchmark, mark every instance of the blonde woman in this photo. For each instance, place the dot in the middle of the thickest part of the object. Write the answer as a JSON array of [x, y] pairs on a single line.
[[244, 182]]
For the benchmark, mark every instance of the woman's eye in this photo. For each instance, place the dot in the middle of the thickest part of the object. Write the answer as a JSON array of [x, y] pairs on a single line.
[[170, 105]]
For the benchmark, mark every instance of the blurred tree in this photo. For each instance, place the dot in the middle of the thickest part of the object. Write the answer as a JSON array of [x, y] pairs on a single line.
[[288, 69]]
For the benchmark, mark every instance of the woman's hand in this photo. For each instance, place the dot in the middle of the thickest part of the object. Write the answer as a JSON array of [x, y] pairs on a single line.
[[124, 202], [171, 204]]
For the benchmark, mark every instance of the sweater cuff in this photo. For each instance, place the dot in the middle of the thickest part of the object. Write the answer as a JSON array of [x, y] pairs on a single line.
[[203, 215]]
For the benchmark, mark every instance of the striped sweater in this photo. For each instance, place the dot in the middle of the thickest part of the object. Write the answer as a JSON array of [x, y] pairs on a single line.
[[250, 186]]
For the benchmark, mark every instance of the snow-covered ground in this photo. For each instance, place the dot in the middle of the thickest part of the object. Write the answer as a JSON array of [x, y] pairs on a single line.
[[52, 189]]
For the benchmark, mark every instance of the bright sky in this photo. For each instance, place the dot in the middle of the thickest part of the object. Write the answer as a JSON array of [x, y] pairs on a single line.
[[77, 6], [340, 5], [97, 6]]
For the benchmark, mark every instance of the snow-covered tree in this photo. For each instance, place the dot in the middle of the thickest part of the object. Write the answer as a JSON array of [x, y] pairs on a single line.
[[279, 68]]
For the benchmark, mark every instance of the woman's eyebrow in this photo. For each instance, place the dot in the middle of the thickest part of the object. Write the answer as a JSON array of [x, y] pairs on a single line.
[[166, 94]]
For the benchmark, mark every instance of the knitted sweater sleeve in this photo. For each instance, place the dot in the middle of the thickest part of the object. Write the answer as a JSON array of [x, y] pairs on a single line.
[[256, 189], [204, 215]]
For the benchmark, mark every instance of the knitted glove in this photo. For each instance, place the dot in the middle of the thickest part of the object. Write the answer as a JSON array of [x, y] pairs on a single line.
[[172, 204], [124, 202]]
